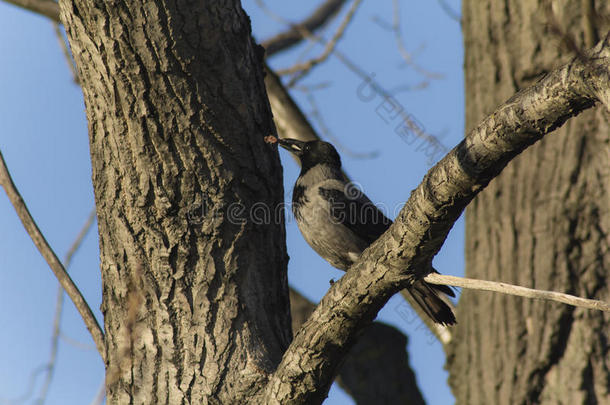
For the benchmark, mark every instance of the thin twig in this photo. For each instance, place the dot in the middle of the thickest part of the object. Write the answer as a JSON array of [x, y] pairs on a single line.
[[402, 49], [58, 269], [77, 344], [101, 394], [302, 30], [317, 116], [450, 11], [426, 219], [510, 289], [385, 94], [66, 51], [320, 17], [30, 387], [302, 69], [354, 68], [59, 305]]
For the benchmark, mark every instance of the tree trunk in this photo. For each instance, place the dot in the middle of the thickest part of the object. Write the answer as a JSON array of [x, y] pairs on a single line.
[[192, 249], [543, 223]]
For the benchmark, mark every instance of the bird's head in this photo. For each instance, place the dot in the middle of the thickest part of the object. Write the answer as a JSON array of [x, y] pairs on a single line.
[[312, 153]]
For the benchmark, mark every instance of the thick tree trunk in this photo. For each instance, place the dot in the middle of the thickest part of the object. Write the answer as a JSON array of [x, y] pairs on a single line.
[[193, 256], [543, 223]]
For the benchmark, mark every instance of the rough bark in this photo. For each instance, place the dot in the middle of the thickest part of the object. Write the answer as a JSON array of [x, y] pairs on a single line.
[[388, 363], [543, 223], [195, 296], [376, 370], [48, 8], [405, 251], [133, 127]]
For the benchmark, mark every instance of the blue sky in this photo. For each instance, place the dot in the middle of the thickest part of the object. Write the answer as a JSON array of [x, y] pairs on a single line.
[[43, 137]]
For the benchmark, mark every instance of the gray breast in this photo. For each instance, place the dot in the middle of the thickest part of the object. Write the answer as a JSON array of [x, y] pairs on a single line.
[[334, 242]]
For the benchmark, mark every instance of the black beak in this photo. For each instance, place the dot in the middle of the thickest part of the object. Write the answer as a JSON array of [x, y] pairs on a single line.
[[292, 145]]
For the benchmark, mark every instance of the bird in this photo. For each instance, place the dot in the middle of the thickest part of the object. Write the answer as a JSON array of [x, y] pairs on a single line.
[[339, 221]]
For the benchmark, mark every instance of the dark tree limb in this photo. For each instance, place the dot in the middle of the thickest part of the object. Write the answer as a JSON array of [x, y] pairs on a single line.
[[399, 382], [284, 40], [301, 69], [290, 121], [48, 8], [405, 251], [376, 370]]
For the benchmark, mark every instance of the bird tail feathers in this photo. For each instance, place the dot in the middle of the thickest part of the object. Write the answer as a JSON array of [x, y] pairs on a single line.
[[427, 297]]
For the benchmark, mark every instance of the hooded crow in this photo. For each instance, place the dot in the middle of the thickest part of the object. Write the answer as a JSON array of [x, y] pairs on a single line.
[[339, 222]]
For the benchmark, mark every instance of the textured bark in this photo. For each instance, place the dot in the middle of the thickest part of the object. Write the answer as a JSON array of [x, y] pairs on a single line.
[[48, 8], [543, 223], [405, 251], [195, 296], [387, 364], [196, 304], [376, 370]]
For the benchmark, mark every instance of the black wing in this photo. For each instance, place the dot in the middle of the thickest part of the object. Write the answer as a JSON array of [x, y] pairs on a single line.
[[359, 214], [363, 218]]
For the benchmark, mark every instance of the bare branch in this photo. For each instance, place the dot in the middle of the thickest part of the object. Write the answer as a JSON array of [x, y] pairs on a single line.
[[396, 30], [372, 372], [450, 11], [58, 269], [29, 391], [404, 253], [317, 116], [101, 395], [290, 121], [303, 68], [59, 305], [510, 289], [294, 34], [75, 343], [66, 51], [48, 8]]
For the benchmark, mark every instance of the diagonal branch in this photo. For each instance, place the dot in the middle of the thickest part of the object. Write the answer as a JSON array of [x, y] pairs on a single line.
[[58, 269], [295, 34], [397, 383], [59, 305], [377, 369], [48, 8], [302, 69], [308, 366]]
